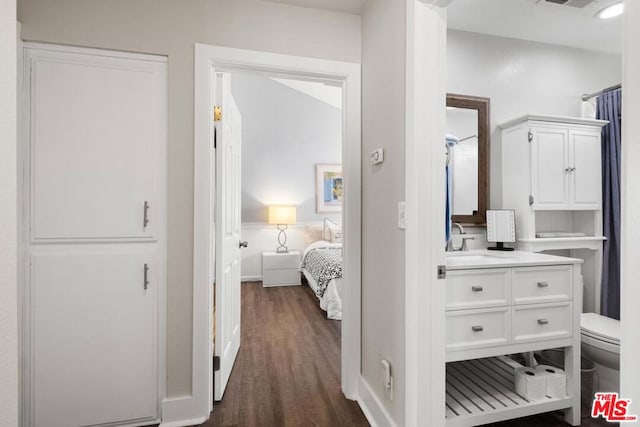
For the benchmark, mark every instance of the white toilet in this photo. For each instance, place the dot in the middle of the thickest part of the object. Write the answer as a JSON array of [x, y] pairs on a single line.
[[600, 338]]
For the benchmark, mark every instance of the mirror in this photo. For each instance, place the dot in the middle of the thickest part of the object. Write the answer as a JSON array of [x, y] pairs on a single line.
[[468, 122]]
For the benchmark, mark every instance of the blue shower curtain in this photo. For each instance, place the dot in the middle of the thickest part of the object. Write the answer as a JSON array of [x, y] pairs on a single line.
[[610, 108]]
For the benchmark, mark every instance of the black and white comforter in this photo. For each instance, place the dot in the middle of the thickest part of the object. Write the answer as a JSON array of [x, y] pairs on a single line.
[[324, 264]]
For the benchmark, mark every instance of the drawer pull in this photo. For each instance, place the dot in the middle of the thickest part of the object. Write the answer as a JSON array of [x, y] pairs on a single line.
[[543, 284], [477, 328], [543, 322], [477, 288]]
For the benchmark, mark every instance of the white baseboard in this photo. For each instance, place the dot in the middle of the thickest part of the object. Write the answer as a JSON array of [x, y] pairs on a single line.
[[257, 278], [372, 408], [178, 412]]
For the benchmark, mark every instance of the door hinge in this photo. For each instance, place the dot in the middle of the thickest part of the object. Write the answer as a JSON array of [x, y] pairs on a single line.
[[216, 363], [215, 138], [442, 272], [530, 200], [217, 113], [530, 136]]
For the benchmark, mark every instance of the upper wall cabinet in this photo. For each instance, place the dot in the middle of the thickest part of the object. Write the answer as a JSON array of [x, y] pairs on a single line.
[[563, 159]]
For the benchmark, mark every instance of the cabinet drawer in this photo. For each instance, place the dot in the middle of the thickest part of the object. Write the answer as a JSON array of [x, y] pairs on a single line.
[[542, 284], [477, 288], [280, 277], [540, 322], [467, 329], [273, 261]]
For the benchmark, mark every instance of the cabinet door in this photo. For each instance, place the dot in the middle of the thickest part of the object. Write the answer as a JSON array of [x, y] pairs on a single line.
[[549, 161], [586, 170]]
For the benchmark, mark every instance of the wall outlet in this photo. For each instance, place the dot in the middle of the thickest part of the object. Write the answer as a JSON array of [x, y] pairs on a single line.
[[387, 379]]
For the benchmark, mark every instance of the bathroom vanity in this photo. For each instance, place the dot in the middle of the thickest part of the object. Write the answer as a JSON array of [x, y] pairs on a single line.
[[501, 303]]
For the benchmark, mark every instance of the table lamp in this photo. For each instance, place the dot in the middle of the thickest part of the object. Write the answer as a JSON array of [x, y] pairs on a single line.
[[282, 216]]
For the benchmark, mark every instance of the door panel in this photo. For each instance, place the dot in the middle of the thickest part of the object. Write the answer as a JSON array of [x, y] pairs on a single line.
[[549, 180], [95, 344], [228, 157], [100, 123], [586, 179]]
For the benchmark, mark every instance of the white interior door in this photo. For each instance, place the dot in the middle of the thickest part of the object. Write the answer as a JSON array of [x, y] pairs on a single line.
[[227, 232], [97, 207]]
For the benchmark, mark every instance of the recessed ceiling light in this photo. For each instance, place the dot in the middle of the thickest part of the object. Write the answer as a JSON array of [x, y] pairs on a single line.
[[611, 11]]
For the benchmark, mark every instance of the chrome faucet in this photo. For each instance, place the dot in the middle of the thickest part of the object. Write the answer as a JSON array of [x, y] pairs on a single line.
[[464, 246]]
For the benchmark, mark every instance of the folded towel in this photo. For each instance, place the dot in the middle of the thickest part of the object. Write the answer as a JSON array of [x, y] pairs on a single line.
[[551, 234]]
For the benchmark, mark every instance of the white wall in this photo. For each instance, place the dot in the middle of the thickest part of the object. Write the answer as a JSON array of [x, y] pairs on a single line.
[[8, 225], [170, 27], [524, 77], [630, 268], [285, 133], [383, 186]]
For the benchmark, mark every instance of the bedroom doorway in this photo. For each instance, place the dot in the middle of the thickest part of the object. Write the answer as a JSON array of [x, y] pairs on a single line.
[[211, 63]]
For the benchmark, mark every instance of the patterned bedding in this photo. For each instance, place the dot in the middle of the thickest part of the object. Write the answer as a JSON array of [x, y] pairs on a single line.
[[324, 263]]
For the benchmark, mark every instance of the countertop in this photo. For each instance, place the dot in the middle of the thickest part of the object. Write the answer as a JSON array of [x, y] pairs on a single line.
[[498, 259]]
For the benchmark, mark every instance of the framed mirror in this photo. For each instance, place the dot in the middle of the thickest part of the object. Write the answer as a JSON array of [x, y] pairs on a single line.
[[468, 124]]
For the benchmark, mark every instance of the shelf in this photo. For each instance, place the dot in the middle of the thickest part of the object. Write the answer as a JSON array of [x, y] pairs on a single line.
[[558, 243], [482, 391]]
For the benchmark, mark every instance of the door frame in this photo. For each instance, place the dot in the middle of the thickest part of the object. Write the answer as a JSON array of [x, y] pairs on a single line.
[[24, 211], [208, 57]]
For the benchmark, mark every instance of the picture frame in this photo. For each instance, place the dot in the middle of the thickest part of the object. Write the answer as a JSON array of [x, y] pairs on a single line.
[[329, 188]]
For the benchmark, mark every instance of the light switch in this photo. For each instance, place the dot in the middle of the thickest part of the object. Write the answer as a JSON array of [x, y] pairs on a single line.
[[402, 221]]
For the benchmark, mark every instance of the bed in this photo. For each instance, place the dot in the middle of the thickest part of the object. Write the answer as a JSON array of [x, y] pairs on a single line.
[[322, 267]]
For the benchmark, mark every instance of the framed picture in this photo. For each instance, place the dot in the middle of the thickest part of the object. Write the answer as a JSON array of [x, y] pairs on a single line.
[[328, 188]]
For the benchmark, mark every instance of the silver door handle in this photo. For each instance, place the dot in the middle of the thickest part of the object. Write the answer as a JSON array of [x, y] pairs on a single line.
[[243, 244], [477, 288], [477, 328], [146, 276], [145, 216], [543, 284], [543, 322]]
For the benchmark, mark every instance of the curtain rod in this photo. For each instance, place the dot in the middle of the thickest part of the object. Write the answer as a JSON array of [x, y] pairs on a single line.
[[588, 96]]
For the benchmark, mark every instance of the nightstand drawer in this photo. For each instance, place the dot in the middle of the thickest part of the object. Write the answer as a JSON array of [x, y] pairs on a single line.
[[477, 288], [542, 284], [280, 277], [541, 322], [466, 329], [281, 261]]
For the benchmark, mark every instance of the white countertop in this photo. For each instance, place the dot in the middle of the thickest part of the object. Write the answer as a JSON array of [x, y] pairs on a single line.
[[503, 259]]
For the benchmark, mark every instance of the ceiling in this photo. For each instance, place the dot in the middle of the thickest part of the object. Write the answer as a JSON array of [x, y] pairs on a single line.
[[542, 22], [345, 6]]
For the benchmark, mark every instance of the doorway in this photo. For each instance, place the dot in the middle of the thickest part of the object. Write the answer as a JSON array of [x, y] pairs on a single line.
[[209, 61]]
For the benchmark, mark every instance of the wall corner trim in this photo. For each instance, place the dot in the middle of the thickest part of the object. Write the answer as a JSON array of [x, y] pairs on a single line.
[[181, 412], [372, 408]]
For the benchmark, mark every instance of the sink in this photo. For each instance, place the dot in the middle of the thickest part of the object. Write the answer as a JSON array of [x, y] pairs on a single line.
[[475, 258]]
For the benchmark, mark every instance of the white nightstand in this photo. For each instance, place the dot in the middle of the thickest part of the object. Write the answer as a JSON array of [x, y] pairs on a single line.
[[280, 269]]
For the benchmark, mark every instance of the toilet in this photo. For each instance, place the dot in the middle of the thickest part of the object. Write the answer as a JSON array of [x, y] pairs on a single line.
[[600, 337]]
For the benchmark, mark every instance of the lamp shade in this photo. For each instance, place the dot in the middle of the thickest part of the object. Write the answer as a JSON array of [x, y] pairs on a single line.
[[282, 214]]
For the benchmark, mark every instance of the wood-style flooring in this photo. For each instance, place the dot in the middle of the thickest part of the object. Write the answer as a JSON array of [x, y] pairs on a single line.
[[288, 369]]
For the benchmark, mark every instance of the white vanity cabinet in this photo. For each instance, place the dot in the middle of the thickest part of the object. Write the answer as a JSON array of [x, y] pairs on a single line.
[[501, 304]]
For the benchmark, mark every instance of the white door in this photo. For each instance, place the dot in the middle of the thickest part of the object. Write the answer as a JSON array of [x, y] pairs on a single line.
[[549, 162], [586, 170], [96, 208], [227, 232]]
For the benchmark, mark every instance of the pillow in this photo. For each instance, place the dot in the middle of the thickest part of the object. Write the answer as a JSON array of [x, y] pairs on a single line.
[[335, 235], [312, 233]]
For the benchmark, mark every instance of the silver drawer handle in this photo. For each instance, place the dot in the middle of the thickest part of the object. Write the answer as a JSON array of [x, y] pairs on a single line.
[[543, 322], [543, 284], [477, 328], [477, 288]]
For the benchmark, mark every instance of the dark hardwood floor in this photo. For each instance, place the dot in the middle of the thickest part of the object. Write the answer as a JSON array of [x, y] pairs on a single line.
[[288, 369]]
